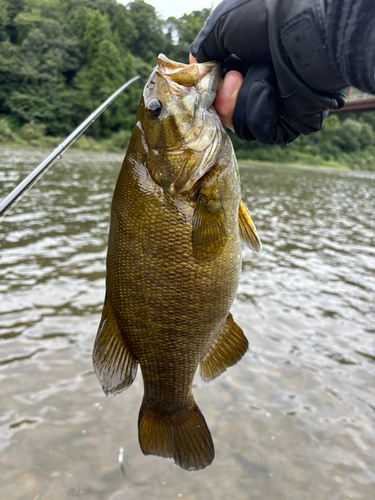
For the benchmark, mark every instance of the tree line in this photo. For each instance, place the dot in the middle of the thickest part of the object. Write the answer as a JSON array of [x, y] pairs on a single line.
[[59, 59]]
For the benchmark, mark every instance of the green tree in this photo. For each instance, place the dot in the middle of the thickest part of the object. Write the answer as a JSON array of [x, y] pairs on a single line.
[[77, 20], [37, 14], [125, 31], [149, 39], [14, 7], [97, 30], [107, 71], [11, 73], [59, 59], [183, 31], [354, 135], [3, 20], [98, 81], [34, 77]]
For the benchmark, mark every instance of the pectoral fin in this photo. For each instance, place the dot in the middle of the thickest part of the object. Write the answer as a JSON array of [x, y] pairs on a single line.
[[114, 366], [248, 231], [228, 348], [210, 233]]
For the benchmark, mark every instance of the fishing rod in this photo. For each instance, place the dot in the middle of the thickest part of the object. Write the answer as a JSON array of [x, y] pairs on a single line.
[[24, 186]]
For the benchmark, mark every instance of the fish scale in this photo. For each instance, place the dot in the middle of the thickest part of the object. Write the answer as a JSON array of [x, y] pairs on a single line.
[[173, 264]]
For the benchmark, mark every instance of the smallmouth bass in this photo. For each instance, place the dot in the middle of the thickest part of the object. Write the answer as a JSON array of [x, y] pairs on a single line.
[[174, 260]]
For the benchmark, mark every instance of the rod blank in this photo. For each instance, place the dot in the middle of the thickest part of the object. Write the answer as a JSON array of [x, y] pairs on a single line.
[[24, 186]]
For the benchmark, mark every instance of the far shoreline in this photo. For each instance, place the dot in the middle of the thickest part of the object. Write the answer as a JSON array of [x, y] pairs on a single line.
[[86, 143], [328, 166]]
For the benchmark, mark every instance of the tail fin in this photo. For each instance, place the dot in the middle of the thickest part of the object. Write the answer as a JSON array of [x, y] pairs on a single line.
[[183, 435]]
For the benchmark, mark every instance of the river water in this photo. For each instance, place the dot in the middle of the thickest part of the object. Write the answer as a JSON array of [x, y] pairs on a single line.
[[295, 419]]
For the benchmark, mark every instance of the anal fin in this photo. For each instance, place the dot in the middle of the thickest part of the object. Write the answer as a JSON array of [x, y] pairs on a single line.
[[228, 348], [114, 366], [248, 231]]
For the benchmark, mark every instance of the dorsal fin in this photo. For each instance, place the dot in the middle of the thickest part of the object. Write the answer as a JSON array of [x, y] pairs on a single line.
[[248, 231]]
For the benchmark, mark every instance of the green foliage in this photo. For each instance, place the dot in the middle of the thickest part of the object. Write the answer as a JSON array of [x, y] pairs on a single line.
[[354, 135], [182, 32], [32, 131], [59, 59], [6, 133], [345, 141], [120, 140], [10, 73], [124, 29], [42, 14], [96, 32], [78, 19], [13, 8], [88, 143], [148, 39], [3, 20]]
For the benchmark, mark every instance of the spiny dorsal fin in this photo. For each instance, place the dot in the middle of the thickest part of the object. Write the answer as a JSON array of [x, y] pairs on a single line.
[[248, 231], [114, 366], [228, 348]]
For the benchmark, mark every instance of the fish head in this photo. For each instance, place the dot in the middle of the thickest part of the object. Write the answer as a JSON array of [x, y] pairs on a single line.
[[181, 128]]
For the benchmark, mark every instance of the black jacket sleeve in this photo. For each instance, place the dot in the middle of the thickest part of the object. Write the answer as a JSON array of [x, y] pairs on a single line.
[[297, 57], [350, 39]]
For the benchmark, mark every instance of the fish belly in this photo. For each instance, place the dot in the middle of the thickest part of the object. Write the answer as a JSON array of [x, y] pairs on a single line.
[[169, 306]]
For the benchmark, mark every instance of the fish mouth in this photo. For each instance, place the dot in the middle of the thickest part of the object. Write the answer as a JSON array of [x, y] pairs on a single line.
[[205, 77], [194, 86]]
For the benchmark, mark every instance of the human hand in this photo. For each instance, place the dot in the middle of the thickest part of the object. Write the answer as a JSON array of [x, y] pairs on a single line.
[[226, 95], [289, 80]]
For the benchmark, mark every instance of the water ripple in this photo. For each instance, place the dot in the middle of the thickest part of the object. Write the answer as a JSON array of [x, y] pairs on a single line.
[[295, 419]]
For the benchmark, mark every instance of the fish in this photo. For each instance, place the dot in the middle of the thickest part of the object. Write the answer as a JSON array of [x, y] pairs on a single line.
[[174, 261]]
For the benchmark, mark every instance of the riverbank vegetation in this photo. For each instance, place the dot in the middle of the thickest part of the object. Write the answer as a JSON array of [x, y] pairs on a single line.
[[59, 59]]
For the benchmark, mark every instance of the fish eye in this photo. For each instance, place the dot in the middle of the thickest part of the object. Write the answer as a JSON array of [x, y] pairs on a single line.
[[154, 108]]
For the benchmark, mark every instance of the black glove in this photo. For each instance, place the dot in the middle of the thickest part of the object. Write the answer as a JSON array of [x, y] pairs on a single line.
[[290, 82]]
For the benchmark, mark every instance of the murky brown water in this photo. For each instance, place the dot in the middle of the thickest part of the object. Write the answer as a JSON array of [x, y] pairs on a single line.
[[294, 420]]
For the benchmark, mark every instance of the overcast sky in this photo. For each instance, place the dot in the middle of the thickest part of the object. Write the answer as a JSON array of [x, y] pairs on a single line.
[[178, 8]]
